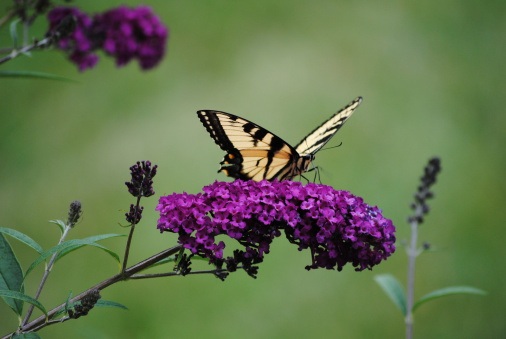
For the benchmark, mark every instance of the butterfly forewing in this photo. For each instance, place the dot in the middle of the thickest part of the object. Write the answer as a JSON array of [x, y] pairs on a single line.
[[252, 151], [315, 140]]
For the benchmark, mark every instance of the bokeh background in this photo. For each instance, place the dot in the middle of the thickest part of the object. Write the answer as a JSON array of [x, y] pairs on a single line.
[[432, 77]]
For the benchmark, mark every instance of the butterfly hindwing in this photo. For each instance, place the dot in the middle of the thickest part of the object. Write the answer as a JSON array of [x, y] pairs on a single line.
[[252, 151]]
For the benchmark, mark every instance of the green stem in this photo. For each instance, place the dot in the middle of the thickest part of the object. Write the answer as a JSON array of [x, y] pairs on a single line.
[[16, 52], [412, 252], [130, 236], [40, 322], [49, 267]]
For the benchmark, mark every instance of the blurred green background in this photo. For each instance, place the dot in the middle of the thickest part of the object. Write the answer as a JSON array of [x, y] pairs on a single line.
[[432, 77]]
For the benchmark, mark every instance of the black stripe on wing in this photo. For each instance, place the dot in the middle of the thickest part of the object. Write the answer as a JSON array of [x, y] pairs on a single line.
[[214, 127]]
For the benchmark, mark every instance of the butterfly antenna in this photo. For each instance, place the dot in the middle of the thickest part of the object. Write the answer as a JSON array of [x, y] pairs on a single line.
[[327, 148]]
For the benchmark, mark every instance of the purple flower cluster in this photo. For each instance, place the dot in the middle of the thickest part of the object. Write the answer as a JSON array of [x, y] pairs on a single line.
[[336, 226], [132, 33], [79, 44], [124, 33]]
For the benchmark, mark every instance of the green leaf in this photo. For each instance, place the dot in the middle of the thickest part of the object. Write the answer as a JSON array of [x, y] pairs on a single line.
[[69, 246], [11, 275], [163, 261], [14, 32], [91, 242], [64, 310], [108, 303], [447, 291], [67, 305], [99, 237], [23, 297], [22, 237], [105, 249], [394, 290], [46, 254], [29, 335], [60, 224], [33, 75]]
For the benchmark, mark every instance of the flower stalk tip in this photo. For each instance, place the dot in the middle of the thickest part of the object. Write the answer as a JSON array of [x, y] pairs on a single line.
[[424, 193], [85, 305], [141, 183], [75, 213]]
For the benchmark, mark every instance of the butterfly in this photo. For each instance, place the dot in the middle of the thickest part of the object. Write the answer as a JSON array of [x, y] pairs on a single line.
[[254, 153]]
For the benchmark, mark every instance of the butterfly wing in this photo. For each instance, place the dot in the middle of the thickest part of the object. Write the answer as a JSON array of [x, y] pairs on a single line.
[[315, 140], [252, 151]]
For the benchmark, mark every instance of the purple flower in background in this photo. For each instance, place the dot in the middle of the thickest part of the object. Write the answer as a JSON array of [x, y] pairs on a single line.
[[78, 44], [336, 226], [124, 33], [132, 33]]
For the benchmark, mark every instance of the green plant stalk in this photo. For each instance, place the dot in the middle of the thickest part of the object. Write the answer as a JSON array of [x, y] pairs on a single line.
[[47, 271], [40, 322], [412, 252], [16, 52], [130, 236]]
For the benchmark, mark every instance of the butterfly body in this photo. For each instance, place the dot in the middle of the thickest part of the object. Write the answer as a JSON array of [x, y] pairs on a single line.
[[254, 153]]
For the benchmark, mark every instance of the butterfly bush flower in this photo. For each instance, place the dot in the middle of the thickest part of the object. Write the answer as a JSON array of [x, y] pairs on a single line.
[[79, 44], [132, 33], [124, 33], [336, 226]]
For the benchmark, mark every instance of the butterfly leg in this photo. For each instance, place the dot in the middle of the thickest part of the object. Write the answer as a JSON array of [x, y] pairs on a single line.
[[303, 177], [316, 169]]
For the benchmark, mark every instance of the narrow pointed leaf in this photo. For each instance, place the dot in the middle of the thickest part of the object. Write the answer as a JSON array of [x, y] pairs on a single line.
[[64, 310], [47, 254], [108, 303], [14, 32], [447, 291], [99, 237], [103, 248], [91, 241], [60, 224], [68, 246], [33, 75], [11, 275], [393, 289], [22, 237], [23, 297], [29, 335], [164, 261]]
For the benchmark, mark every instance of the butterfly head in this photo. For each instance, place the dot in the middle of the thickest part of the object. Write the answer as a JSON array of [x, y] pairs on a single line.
[[303, 164]]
